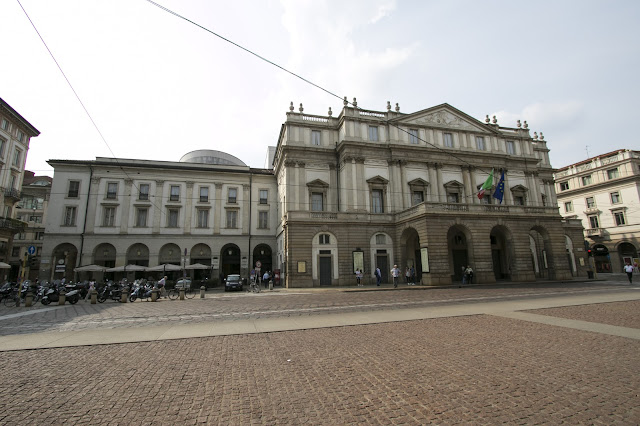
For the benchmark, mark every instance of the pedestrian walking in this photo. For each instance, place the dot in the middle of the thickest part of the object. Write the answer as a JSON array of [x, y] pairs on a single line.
[[464, 275], [395, 273], [469, 274], [378, 275], [161, 286], [359, 277], [265, 278], [413, 276], [407, 275], [628, 268]]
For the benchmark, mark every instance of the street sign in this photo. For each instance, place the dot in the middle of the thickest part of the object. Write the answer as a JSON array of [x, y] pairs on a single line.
[[258, 264], [31, 250]]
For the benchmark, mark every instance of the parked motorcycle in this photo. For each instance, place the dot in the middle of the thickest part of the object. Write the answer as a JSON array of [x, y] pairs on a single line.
[[110, 291], [140, 291], [52, 294]]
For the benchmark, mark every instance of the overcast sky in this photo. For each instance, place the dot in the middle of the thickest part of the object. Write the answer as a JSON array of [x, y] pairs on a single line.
[[158, 86]]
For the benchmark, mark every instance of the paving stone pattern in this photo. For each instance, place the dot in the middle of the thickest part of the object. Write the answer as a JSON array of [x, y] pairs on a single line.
[[622, 314], [464, 370]]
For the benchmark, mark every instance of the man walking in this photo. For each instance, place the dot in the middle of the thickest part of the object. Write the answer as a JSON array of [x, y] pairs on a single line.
[[628, 268], [395, 272], [378, 275]]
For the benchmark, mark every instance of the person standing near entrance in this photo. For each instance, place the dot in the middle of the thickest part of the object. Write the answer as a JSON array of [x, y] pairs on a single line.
[[378, 275], [628, 268], [395, 272], [407, 275], [359, 277]]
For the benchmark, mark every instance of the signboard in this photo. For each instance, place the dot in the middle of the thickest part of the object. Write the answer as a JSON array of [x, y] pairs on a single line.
[[424, 257], [358, 261], [215, 263], [60, 268], [244, 262], [258, 264], [31, 250]]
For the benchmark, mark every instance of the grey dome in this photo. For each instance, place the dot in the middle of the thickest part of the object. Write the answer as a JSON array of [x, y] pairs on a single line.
[[210, 156]]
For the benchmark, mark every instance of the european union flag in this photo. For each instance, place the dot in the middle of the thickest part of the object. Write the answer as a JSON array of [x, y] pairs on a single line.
[[499, 192]]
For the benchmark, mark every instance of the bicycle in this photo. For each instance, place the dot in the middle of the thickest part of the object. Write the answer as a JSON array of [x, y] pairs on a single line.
[[11, 299], [254, 287], [174, 293]]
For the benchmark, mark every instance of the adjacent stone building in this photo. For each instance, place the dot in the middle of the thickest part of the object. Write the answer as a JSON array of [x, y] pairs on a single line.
[[603, 192], [15, 136], [356, 191]]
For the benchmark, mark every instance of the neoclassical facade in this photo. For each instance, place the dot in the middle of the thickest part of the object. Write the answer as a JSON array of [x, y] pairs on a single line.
[[372, 189], [603, 192], [362, 190]]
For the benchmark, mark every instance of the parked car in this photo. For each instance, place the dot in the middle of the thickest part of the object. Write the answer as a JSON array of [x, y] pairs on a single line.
[[183, 283], [233, 282]]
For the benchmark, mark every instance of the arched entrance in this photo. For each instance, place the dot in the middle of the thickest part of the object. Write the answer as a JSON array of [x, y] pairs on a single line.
[[571, 259], [501, 252], [201, 253], [262, 253], [540, 252], [601, 258], [230, 259], [410, 240], [170, 253], [627, 253], [458, 240], [105, 255], [382, 254], [63, 261]]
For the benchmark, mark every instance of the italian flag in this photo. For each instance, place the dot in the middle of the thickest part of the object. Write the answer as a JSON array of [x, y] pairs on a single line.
[[486, 185]]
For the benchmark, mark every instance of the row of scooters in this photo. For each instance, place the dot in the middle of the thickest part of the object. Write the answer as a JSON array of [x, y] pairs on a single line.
[[47, 293]]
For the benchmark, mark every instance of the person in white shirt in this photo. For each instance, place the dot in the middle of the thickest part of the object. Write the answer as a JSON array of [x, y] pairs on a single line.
[[395, 272], [628, 268]]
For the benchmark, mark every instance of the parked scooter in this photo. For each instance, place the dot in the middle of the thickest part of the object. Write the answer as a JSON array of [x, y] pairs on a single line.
[[52, 294], [110, 291], [140, 291]]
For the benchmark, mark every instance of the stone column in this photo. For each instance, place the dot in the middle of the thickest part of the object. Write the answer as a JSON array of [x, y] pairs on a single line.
[[442, 198], [433, 193], [362, 200], [245, 208], [217, 216], [93, 204], [507, 189], [474, 185], [533, 189], [127, 200], [406, 202], [466, 180], [188, 208], [158, 206]]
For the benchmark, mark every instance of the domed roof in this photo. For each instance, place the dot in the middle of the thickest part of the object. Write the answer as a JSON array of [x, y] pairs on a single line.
[[210, 156]]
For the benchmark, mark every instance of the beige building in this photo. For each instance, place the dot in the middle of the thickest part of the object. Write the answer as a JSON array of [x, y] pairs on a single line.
[[371, 189], [15, 137], [603, 192], [362, 190]]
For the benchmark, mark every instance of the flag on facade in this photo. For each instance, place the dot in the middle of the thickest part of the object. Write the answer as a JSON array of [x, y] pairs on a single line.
[[486, 185], [499, 192]]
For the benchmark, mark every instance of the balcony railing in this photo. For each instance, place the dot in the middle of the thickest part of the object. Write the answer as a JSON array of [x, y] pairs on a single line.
[[594, 232], [13, 225], [12, 193]]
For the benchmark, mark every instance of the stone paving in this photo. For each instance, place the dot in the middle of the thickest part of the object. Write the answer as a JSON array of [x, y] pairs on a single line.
[[478, 369]]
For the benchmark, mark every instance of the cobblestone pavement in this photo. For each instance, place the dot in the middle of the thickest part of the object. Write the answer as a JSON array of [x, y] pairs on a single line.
[[461, 370], [221, 306]]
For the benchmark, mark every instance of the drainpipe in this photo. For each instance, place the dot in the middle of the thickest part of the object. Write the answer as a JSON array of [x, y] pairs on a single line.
[[84, 225], [250, 215], [338, 176]]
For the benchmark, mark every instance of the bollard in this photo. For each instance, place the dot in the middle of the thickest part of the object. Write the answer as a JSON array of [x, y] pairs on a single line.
[[270, 284], [28, 300], [94, 296], [182, 293], [154, 295], [62, 297], [123, 296], [202, 290]]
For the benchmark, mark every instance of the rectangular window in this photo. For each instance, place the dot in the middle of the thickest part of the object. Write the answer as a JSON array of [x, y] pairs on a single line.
[[232, 196], [315, 137], [486, 199], [590, 202], [12, 182], [232, 219], [143, 194], [17, 156], [174, 195], [619, 218], [480, 143], [141, 217], [109, 218], [373, 133], [564, 186], [511, 147], [453, 197], [594, 222], [518, 200], [20, 136], [586, 180], [615, 198], [5, 124], [74, 189], [21, 236], [2, 145], [448, 140], [203, 218], [317, 202], [15, 251], [613, 173], [413, 136], [172, 218], [35, 218], [377, 205], [112, 190], [381, 239], [204, 194], [324, 239], [417, 197], [263, 220], [39, 236], [69, 216], [568, 207], [264, 196]]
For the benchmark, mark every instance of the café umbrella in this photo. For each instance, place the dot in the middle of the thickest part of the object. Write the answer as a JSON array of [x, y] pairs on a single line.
[[90, 268], [127, 268], [197, 266], [165, 267]]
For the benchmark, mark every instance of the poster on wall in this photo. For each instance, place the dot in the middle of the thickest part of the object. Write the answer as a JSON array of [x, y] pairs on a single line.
[[302, 267], [424, 257], [358, 261]]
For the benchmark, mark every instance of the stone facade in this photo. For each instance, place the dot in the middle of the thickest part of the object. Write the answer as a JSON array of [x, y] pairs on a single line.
[[372, 188], [603, 193]]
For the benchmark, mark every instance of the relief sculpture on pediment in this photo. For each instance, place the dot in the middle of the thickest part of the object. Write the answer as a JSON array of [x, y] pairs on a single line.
[[444, 118]]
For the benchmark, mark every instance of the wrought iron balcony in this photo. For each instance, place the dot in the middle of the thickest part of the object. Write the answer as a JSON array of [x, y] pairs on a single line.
[[12, 193], [594, 232], [13, 225]]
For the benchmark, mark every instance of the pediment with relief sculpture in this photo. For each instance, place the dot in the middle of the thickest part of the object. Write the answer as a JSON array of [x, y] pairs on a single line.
[[444, 116]]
